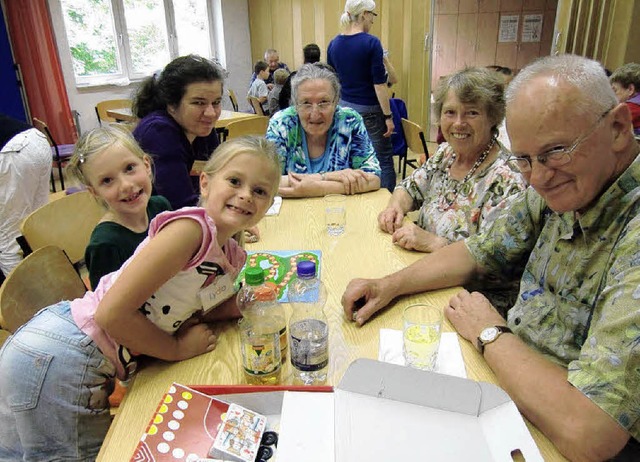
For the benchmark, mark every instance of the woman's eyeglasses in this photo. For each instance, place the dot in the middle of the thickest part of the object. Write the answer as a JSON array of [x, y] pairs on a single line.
[[308, 107], [555, 157]]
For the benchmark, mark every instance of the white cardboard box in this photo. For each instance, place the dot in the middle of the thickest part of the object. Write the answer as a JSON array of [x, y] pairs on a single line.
[[385, 412], [382, 412]]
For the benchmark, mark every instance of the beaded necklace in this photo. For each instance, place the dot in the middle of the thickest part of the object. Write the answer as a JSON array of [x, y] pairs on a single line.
[[449, 191]]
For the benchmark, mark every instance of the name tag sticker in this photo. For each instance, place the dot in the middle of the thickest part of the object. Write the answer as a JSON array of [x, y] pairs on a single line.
[[217, 292]]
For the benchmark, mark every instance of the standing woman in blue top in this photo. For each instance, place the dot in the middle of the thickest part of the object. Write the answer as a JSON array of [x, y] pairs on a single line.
[[357, 57], [178, 109]]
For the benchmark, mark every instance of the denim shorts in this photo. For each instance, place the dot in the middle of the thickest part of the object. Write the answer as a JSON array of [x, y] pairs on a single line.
[[54, 390]]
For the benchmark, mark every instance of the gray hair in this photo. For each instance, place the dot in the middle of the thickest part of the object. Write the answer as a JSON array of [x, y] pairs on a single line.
[[269, 52], [586, 75], [315, 71], [353, 9], [474, 85]]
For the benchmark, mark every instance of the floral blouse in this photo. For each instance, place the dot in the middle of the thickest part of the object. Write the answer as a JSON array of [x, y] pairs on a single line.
[[454, 209]]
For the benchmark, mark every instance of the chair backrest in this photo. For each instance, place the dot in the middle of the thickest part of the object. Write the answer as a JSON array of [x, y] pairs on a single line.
[[103, 106], [414, 134], [44, 128], [234, 100], [66, 223], [255, 104], [248, 126], [43, 278]]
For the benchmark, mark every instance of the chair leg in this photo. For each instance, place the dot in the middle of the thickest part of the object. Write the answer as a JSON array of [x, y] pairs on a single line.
[[404, 165], [61, 176], [53, 182]]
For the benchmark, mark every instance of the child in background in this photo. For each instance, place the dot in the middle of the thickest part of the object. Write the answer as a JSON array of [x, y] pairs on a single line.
[[625, 82], [273, 99], [58, 369], [118, 173], [259, 87]]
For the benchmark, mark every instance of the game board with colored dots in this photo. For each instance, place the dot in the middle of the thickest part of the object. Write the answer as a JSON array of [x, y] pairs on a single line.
[[280, 267]]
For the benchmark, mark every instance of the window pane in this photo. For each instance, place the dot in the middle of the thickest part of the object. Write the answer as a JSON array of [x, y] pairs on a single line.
[[192, 27], [92, 37], [147, 29]]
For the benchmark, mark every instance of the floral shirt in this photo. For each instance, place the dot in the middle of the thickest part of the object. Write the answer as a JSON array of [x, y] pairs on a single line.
[[479, 199], [348, 144], [579, 300]]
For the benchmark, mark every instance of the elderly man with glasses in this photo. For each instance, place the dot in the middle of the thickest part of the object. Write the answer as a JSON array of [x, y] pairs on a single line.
[[569, 351]]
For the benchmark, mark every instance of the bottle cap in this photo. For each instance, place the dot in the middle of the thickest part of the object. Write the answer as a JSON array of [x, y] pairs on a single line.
[[306, 269], [254, 276]]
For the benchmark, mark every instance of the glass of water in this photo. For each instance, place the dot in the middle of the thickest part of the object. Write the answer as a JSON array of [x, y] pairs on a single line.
[[421, 335], [335, 213]]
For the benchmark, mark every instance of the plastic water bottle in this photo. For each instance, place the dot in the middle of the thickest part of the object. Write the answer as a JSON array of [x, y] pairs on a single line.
[[308, 327], [260, 329]]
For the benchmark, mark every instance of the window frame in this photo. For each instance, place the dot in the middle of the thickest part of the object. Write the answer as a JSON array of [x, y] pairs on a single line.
[[127, 74]]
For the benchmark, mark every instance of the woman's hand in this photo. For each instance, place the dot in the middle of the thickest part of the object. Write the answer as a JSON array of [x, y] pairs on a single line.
[[194, 341], [390, 128], [391, 218], [354, 181], [301, 185], [412, 237]]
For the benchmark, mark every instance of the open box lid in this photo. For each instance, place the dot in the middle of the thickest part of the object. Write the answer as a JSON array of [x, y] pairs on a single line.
[[388, 412]]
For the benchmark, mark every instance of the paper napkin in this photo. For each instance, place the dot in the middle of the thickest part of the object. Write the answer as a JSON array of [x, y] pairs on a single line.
[[449, 360], [275, 207]]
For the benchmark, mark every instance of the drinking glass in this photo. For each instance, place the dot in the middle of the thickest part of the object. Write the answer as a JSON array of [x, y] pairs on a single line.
[[335, 213], [421, 335]]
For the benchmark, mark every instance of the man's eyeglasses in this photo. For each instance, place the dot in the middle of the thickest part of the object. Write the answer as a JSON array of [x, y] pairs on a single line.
[[324, 106], [375, 14], [555, 157]]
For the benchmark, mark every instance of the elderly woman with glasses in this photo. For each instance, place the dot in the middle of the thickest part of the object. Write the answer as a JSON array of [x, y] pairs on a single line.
[[323, 148], [465, 182]]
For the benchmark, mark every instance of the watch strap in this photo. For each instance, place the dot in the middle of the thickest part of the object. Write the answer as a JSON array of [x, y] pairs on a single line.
[[387, 116], [501, 330]]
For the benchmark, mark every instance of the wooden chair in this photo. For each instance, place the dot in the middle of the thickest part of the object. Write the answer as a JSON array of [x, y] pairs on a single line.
[[43, 278], [414, 134], [234, 100], [255, 104], [66, 223], [249, 126], [60, 153], [103, 106]]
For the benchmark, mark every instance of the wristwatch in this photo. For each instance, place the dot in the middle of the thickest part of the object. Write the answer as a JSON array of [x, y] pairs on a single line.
[[490, 334], [388, 116]]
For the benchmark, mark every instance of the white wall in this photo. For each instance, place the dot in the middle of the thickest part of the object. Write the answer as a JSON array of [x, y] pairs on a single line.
[[235, 16]]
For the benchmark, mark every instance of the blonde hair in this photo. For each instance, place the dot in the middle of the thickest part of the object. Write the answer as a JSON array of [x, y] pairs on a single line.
[[96, 141], [253, 145], [353, 9]]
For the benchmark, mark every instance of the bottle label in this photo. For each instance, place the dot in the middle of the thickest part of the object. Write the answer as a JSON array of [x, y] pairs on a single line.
[[309, 345], [261, 354], [283, 343]]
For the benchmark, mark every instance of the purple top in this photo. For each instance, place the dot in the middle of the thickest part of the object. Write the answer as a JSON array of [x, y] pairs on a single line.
[[160, 136]]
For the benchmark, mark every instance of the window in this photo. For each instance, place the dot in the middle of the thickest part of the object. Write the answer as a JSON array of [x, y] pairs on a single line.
[[116, 41]]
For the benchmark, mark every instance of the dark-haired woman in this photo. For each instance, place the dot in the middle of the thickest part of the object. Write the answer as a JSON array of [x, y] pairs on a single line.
[[178, 109]]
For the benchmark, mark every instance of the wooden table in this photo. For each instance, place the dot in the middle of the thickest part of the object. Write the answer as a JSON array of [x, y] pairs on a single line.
[[125, 115], [363, 251]]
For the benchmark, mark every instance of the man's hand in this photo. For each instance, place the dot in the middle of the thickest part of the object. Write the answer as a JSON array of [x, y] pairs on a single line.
[[470, 313], [364, 297], [413, 237]]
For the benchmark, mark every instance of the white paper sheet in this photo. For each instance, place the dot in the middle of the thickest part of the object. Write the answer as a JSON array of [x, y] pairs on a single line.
[[449, 360]]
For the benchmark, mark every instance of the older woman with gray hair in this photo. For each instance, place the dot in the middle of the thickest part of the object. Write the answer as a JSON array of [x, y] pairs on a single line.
[[467, 180], [323, 148]]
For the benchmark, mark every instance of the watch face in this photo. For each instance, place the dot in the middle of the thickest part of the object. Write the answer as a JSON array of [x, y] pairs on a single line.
[[489, 334]]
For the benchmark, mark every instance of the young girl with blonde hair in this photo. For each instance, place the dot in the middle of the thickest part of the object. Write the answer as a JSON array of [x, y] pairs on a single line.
[[109, 162], [58, 369]]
